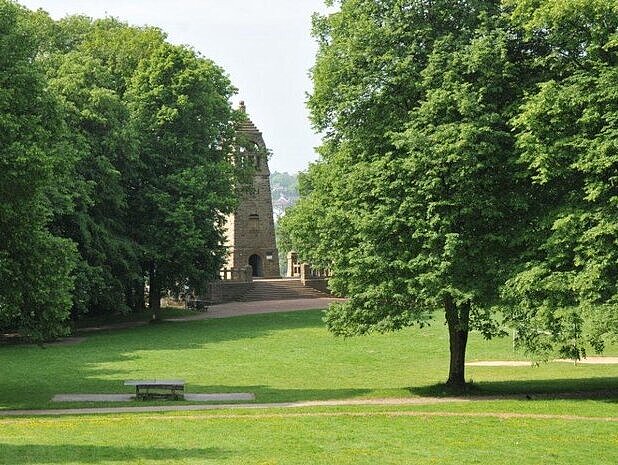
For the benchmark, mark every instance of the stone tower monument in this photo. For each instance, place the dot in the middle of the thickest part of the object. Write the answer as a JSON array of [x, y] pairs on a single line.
[[250, 231]]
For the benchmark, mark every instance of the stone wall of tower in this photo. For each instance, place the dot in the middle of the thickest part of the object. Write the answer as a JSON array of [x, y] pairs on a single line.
[[250, 231]]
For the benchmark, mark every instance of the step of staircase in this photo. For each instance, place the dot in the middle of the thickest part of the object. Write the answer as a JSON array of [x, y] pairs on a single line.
[[280, 289]]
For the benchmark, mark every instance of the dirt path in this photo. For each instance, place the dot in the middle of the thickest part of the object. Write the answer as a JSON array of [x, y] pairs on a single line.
[[265, 416], [502, 416], [528, 363], [327, 403], [254, 308]]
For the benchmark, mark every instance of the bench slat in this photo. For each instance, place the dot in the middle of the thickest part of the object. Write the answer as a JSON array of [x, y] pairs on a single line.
[[172, 385], [154, 382]]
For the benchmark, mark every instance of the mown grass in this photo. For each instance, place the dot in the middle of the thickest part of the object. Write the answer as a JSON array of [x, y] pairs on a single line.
[[334, 436], [290, 356], [279, 357]]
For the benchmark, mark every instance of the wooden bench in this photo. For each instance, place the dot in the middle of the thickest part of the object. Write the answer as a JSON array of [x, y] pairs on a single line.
[[158, 388]]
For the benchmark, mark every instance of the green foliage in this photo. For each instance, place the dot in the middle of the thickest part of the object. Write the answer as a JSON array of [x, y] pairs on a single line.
[[35, 159], [98, 116], [183, 188], [125, 154], [284, 193], [412, 205], [567, 295], [467, 144], [154, 125]]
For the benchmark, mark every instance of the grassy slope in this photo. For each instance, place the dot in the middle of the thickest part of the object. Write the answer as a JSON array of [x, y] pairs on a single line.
[[279, 357]]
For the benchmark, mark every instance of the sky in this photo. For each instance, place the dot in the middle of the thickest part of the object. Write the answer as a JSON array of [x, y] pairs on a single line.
[[265, 46]]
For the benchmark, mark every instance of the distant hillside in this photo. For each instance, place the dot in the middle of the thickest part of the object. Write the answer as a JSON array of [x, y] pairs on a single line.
[[284, 190]]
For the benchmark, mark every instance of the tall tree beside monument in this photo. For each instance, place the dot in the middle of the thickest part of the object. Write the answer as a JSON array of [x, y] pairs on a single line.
[[152, 123], [126, 157], [420, 199], [89, 66], [184, 178]]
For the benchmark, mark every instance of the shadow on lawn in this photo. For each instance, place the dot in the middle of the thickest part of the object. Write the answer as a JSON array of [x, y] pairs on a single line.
[[168, 335], [40, 453], [99, 364], [603, 388], [270, 394]]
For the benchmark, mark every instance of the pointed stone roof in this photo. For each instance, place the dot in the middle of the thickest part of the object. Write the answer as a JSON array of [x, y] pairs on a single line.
[[247, 126]]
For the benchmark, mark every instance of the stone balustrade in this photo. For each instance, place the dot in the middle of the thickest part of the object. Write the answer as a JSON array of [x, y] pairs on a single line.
[[243, 275]]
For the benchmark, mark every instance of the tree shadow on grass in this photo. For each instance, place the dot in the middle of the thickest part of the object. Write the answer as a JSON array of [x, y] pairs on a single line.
[[602, 388], [268, 394], [194, 334], [99, 364], [76, 453]]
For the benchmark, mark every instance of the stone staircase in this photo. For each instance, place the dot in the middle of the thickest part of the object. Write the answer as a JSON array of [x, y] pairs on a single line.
[[279, 289]]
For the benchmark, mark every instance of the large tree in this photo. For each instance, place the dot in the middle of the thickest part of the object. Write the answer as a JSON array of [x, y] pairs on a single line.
[[154, 127], [418, 196], [183, 185], [35, 163], [89, 65], [566, 295]]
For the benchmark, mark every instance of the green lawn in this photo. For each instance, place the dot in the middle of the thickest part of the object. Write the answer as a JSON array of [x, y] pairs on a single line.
[[279, 357], [342, 436], [290, 356]]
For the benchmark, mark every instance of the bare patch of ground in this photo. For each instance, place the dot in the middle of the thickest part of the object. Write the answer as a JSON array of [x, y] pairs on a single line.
[[527, 363], [500, 363], [405, 413], [592, 361]]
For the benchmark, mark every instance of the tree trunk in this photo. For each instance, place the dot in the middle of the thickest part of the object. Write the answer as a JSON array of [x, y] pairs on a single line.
[[135, 295], [154, 295], [140, 291], [457, 318]]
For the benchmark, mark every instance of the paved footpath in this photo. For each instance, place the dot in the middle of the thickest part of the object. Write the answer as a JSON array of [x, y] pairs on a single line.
[[290, 406], [266, 306]]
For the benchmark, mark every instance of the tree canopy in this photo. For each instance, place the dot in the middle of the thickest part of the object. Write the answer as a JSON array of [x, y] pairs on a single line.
[[35, 158], [180, 110], [566, 296], [427, 193], [116, 169]]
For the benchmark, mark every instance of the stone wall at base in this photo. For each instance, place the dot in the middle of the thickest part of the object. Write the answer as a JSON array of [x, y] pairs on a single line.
[[226, 291], [319, 284]]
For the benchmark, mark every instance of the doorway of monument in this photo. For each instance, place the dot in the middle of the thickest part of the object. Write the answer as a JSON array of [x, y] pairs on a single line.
[[256, 263]]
